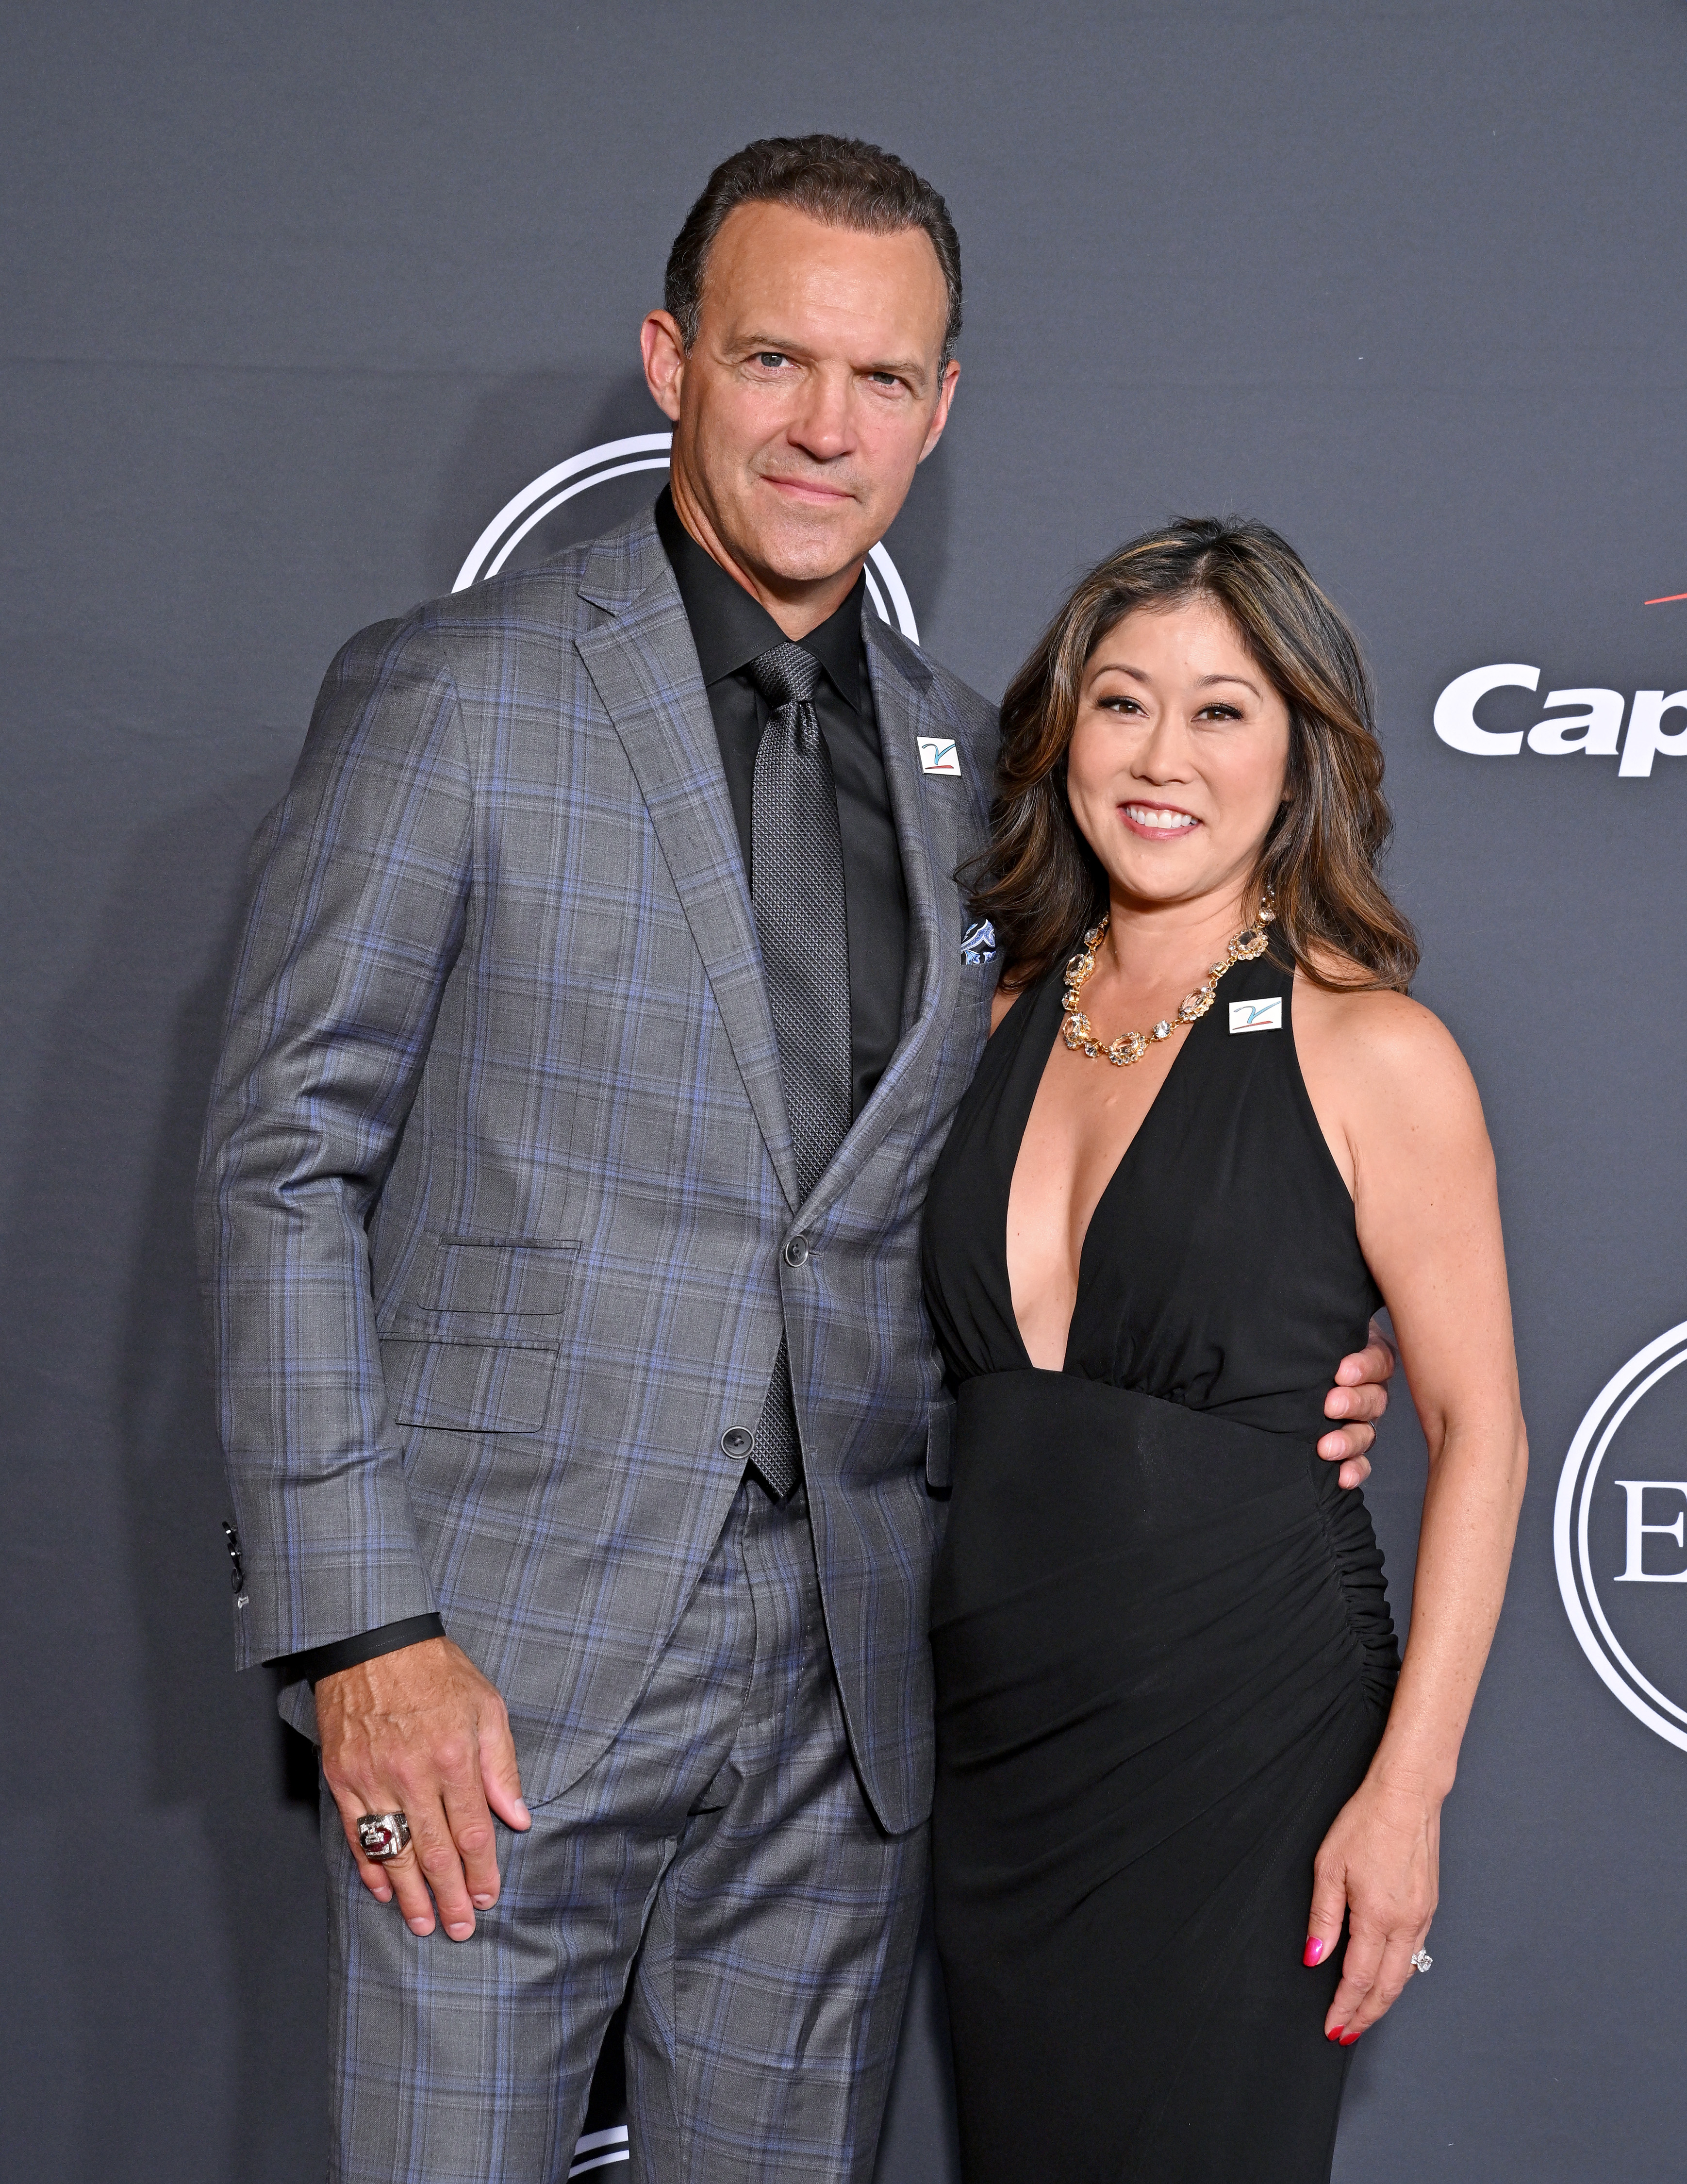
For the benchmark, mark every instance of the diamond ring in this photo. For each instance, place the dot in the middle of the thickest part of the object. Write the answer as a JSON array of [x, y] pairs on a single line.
[[1421, 1960], [383, 1836]]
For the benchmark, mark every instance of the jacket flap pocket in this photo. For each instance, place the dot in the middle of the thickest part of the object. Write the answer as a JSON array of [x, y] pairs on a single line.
[[487, 1290], [469, 1387], [497, 1275]]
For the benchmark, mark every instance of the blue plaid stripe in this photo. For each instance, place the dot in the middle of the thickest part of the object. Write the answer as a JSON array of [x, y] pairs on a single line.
[[496, 1171]]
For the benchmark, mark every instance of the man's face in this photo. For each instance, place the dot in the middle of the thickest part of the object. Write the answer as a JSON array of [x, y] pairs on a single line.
[[813, 390]]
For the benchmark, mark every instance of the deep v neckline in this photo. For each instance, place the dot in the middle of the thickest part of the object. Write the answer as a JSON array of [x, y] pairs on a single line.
[[1107, 1189]]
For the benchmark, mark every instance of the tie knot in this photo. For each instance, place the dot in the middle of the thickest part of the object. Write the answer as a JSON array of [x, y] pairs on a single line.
[[785, 674]]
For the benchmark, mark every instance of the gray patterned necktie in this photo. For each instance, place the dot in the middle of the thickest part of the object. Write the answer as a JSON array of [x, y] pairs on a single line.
[[797, 885]]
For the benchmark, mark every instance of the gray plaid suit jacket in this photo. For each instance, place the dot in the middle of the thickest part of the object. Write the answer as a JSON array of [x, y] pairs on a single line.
[[497, 1178]]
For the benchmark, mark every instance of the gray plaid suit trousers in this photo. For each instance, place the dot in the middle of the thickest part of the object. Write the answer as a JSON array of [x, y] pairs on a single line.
[[722, 1856]]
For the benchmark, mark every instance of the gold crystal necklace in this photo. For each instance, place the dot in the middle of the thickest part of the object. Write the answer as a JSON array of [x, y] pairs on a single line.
[[1080, 1034]]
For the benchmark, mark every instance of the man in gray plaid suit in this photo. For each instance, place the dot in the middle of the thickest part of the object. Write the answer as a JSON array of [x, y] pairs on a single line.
[[602, 1006]]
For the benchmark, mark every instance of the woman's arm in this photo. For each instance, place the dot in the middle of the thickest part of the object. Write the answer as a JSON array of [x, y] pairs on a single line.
[[1402, 1116]]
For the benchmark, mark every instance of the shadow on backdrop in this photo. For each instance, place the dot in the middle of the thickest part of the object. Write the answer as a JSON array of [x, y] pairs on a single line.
[[186, 1926]]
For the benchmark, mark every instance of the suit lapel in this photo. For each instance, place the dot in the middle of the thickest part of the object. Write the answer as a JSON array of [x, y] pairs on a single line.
[[643, 664], [928, 810]]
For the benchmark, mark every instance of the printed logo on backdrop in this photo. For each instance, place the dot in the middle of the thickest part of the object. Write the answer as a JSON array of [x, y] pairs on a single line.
[[1619, 1535], [615, 459], [1596, 723]]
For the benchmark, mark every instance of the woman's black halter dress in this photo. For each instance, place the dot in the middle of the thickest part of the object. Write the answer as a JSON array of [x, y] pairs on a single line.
[[1163, 1650]]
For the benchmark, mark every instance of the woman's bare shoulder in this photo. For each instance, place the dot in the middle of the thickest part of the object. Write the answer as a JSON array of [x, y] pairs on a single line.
[[1379, 1042]]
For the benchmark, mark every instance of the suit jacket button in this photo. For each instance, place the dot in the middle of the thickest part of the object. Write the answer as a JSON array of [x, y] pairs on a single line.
[[796, 1250], [737, 1440]]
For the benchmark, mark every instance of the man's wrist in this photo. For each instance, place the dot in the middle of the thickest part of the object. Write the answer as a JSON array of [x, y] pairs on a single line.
[[320, 1661]]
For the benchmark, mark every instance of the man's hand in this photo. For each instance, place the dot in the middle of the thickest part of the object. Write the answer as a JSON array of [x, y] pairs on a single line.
[[1361, 1392], [421, 1731]]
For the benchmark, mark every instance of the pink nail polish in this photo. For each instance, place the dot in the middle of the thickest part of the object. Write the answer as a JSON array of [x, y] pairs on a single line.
[[1313, 1953]]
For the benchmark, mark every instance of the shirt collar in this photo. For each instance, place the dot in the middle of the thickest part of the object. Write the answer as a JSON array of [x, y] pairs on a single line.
[[730, 628]]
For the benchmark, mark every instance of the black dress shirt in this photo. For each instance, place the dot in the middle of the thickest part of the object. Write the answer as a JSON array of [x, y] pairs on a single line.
[[729, 629]]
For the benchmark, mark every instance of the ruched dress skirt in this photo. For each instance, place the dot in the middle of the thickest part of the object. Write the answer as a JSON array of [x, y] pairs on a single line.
[[1162, 1646]]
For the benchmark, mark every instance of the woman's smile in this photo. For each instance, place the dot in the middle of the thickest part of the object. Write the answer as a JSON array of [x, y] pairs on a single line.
[[1154, 822]]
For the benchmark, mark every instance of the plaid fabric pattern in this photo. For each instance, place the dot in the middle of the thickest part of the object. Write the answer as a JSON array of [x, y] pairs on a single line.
[[498, 1176], [726, 1830]]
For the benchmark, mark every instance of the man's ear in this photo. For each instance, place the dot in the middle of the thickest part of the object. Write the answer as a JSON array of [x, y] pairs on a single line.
[[663, 348], [951, 372]]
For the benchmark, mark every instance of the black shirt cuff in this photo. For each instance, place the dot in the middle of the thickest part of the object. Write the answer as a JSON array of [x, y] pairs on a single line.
[[368, 1645]]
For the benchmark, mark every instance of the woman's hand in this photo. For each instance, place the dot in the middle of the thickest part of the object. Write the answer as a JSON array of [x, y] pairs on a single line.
[[1380, 1863]]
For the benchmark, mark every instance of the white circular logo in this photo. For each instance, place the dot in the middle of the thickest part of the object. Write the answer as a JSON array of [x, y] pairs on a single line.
[[613, 459], [1621, 1541]]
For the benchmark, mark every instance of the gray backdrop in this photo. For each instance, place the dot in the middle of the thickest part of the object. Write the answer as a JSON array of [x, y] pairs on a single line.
[[298, 297]]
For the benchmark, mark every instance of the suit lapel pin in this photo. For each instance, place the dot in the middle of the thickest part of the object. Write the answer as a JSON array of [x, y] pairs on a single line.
[[939, 755]]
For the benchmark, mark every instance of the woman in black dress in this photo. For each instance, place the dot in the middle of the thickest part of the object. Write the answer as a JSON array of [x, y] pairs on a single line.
[[1174, 1763]]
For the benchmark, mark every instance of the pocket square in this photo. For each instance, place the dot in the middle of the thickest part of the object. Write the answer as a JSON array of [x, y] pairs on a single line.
[[978, 942]]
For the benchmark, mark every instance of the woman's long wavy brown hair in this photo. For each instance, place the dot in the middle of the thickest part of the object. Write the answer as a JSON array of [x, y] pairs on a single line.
[[1039, 882]]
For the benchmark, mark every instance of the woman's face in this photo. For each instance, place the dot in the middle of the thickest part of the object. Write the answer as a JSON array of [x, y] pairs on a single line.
[[1178, 760]]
